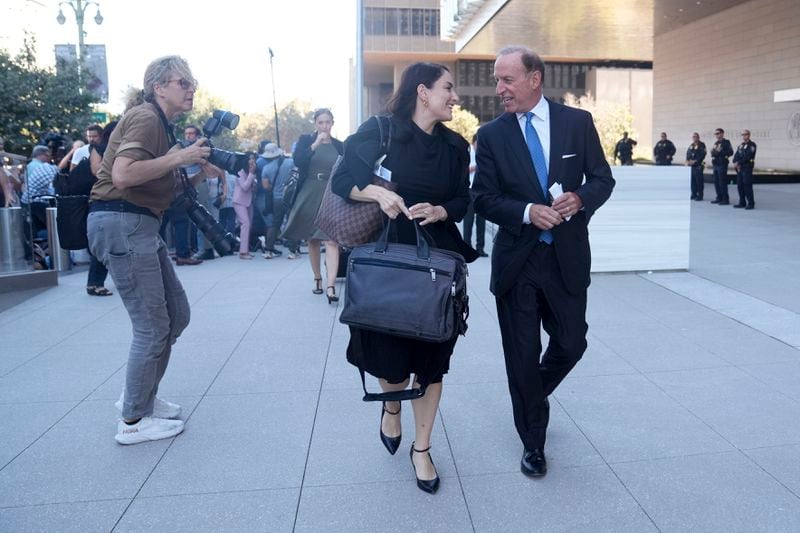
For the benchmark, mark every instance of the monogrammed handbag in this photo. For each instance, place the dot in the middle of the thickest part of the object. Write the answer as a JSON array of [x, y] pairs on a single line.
[[351, 223]]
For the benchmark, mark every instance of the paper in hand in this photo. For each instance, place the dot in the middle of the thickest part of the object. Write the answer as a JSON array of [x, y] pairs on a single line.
[[555, 191]]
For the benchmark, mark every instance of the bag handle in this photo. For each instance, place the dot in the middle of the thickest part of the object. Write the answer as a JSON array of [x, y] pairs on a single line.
[[423, 240], [395, 396]]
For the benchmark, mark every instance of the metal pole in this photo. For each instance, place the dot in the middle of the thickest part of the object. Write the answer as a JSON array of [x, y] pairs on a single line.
[[59, 259], [359, 64], [274, 100], [79, 10]]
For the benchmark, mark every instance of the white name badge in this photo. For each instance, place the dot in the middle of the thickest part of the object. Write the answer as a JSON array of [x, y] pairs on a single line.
[[381, 171], [555, 191]]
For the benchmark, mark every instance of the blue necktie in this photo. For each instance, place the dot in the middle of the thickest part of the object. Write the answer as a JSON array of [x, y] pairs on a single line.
[[539, 164]]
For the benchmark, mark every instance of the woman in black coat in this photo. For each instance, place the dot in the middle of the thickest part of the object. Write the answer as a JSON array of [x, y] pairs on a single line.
[[429, 164], [314, 156]]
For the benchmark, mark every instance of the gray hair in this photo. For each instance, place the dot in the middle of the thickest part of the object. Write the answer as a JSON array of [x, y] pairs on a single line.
[[530, 59], [40, 149], [159, 70]]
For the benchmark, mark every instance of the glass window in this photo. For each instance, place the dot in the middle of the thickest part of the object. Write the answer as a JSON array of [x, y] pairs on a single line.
[[391, 19], [405, 21], [416, 22]]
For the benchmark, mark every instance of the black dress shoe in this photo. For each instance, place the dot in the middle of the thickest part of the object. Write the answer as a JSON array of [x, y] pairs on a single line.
[[738, 206], [428, 485], [715, 201], [533, 463], [391, 443], [724, 202], [481, 253], [751, 206]]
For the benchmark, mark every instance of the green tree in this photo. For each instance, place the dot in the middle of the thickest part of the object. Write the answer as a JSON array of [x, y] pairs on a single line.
[[35, 101], [464, 123], [610, 119], [294, 119], [204, 105]]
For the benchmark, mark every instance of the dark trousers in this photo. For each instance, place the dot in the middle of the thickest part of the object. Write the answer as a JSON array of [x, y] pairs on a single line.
[[721, 182], [97, 272], [227, 217], [180, 226], [697, 184], [744, 182], [279, 214], [480, 227], [539, 297], [626, 160]]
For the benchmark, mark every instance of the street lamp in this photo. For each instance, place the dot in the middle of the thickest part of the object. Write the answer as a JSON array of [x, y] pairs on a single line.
[[79, 8]]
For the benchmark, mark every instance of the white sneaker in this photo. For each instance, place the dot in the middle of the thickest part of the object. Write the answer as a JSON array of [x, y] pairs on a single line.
[[161, 408], [147, 429]]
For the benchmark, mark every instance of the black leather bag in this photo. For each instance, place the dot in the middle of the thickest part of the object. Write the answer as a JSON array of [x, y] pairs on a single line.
[[291, 189], [410, 291]]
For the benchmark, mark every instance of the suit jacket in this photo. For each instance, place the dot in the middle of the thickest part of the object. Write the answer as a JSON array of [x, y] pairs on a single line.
[[506, 181]]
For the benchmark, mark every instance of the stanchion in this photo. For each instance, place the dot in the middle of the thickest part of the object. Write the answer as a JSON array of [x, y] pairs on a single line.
[[59, 259], [12, 240]]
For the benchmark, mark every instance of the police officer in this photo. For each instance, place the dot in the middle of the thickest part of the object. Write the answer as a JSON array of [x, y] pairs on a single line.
[[720, 153], [663, 150], [624, 150], [694, 158], [743, 161]]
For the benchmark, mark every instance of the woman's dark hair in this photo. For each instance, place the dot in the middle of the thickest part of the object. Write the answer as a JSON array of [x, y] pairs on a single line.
[[105, 136], [322, 111], [106, 133], [404, 98]]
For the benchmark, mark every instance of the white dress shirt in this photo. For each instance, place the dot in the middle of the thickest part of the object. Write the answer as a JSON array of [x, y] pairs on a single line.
[[541, 122]]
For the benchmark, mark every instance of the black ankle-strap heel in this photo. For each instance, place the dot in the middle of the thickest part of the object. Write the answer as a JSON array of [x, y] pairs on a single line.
[[391, 443], [428, 485], [332, 298]]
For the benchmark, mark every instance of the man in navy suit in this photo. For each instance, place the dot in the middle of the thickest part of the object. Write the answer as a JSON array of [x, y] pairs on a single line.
[[541, 175]]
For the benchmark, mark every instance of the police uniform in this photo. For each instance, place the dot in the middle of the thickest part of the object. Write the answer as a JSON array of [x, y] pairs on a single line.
[[720, 153], [624, 151], [697, 153], [663, 152], [745, 159]]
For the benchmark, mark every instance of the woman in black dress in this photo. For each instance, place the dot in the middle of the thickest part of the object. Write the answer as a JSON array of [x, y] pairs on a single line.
[[429, 165]]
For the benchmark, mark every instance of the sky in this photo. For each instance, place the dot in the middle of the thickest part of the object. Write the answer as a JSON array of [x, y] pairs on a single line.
[[225, 42]]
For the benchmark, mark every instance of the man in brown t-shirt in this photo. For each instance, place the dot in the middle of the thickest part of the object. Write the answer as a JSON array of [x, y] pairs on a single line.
[[135, 184]]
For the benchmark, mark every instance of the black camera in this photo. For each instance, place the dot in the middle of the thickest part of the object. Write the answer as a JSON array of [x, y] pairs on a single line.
[[224, 242], [228, 161]]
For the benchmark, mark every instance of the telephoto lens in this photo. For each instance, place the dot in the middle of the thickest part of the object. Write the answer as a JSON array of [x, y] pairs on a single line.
[[223, 242]]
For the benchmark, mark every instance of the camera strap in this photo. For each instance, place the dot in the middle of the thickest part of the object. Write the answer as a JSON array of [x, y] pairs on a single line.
[[170, 131]]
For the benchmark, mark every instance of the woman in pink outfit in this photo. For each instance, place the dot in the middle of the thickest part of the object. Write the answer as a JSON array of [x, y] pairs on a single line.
[[243, 204]]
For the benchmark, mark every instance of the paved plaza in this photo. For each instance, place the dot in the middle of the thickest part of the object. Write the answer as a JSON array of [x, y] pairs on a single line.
[[684, 414]]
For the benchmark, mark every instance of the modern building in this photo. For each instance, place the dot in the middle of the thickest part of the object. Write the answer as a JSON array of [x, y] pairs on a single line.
[[733, 64], [679, 65], [613, 62]]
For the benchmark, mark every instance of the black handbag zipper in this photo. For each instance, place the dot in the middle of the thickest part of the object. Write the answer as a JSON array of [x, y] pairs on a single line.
[[433, 272]]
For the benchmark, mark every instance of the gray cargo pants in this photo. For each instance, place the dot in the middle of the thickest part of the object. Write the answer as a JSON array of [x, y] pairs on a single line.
[[136, 257]]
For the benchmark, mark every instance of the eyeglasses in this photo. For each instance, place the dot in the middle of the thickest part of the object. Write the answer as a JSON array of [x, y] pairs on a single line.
[[185, 84]]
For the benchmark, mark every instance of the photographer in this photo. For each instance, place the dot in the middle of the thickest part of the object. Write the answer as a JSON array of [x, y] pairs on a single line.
[[138, 179]]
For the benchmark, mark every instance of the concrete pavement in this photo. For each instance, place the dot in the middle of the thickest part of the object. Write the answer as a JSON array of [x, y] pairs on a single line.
[[682, 416]]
